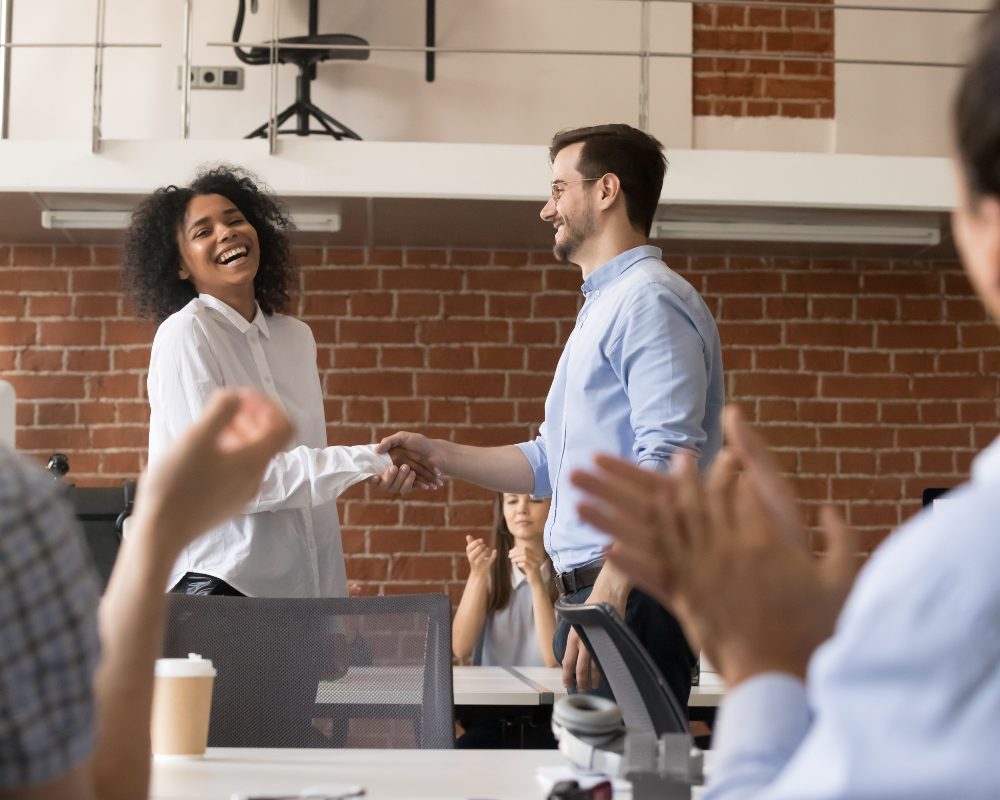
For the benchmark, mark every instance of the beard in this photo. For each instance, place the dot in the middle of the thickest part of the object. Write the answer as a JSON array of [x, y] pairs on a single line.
[[575, 232]]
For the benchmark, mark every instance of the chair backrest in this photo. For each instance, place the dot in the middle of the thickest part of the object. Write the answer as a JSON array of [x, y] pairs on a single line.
[[643, 695], [334, 672], [98, 510]]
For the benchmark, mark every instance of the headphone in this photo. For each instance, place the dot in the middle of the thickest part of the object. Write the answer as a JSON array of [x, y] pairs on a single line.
[[592, 735], [590, 732]]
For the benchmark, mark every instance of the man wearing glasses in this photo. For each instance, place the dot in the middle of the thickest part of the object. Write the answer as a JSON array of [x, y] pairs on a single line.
[[641, 378]]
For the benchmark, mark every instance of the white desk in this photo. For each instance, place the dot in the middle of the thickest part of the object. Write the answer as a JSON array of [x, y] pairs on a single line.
[[471, 686], [475, 686], [386, 774], [709, 693]]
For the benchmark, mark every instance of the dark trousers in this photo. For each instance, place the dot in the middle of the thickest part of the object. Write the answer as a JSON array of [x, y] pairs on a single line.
[[657, 630], [199, 583]]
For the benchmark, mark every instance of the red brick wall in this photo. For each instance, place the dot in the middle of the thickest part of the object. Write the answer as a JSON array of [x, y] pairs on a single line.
[[874, 379], [752, 87]]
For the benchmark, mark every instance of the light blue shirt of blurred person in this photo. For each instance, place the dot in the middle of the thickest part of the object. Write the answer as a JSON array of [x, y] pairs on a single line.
[[903, 702], [640, 377]]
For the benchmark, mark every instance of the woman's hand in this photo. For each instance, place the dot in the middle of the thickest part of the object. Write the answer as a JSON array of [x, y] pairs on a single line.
[[529, 560], [480, 558]]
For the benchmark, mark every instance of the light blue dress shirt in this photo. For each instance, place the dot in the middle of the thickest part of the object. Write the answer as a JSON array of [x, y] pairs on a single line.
[[904, 700], [640, 377]]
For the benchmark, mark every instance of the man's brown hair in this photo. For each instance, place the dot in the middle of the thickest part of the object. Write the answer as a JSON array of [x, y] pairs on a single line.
[[636, 158]]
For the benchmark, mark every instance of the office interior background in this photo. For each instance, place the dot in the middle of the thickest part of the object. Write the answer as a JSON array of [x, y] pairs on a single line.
[[806, 200]]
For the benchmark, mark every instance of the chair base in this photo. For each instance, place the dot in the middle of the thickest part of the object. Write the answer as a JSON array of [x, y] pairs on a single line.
[[305, 110]]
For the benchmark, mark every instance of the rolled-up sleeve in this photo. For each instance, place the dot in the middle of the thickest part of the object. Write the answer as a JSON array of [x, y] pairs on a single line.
[[761, 724], [536, 451], [659, 356]]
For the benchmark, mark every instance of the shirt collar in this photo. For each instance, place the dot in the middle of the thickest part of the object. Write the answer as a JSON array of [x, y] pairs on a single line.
[[235, 317], [517, 577], [606, 274], [986, 466]]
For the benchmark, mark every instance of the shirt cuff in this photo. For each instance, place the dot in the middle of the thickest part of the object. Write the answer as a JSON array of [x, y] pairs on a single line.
[[380, 461], [540, 466], [761, 724]]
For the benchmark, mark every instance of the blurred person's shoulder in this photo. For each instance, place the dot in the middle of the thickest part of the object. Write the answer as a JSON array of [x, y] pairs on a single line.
[[943, 559], [48, 628]]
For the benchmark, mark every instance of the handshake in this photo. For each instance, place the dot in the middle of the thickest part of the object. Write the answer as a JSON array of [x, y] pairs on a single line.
[[416, 464]]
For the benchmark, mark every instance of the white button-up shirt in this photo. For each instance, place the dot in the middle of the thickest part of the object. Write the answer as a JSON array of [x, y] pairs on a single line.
[[287, 543], [904, 701]]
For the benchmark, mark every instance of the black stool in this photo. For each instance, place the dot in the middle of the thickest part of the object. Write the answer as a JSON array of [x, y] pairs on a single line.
[[327, 47]]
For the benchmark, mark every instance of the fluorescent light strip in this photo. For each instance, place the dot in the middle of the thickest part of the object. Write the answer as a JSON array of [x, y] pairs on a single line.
[[118, 220], [793, 232]]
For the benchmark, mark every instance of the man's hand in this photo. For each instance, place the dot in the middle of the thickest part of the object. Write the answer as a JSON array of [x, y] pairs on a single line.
[[416, 461], [212, 471], [408, 471], [612, 586], [723, 555], [578, 668]]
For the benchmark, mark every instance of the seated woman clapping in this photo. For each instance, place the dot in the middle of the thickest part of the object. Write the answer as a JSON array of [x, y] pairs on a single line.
[[506, 617]]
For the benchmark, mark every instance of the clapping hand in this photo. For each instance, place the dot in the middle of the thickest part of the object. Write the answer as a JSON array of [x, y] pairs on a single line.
[[529, 560], [480, 558], [725, 554]]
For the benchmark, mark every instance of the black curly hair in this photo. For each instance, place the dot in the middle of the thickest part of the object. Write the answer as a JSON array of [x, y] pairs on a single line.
[[151, 257]]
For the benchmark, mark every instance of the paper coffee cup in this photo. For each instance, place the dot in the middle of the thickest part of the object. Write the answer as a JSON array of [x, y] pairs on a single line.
[[182, 702]]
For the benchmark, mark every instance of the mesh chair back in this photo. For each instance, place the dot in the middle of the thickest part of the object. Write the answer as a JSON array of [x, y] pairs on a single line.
[[370, 672], [646, 701]]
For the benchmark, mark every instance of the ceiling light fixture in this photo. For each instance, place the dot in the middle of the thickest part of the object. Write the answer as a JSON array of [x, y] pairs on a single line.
[[795, 232], [118, 220]]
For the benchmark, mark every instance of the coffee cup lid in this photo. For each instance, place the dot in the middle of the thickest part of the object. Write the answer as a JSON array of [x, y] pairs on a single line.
[[194, 666]]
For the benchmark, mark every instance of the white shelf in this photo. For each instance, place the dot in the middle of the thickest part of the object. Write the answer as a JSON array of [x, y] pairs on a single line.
[[314, 168]]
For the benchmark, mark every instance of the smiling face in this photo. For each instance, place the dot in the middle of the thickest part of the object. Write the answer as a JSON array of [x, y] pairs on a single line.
[[572, 215], [219, 251], [525, 516]]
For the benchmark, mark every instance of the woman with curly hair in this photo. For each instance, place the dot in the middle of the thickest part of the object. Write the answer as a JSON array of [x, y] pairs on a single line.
[[211, 263]]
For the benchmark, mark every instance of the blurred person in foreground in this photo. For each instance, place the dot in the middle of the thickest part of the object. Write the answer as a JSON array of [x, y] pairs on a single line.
[[76, 680], [894, 693]]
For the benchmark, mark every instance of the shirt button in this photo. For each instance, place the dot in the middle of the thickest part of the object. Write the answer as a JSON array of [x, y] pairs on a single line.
[[597, 293], [583, 318], [267, 379]]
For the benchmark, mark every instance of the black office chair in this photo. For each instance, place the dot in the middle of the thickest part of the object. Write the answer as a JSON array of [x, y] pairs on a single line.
[[102, 512], [369, 672], [306, 58], [646, 701]]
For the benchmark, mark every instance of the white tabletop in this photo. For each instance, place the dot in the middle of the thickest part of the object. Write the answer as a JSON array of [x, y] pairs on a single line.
[[473, 686], [386, 774], [709, 693]]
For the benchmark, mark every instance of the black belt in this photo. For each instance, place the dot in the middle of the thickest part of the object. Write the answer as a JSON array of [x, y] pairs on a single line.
[[579, 578]]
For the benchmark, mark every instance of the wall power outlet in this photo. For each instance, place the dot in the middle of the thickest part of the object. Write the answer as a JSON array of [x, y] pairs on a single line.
[[214, 78]]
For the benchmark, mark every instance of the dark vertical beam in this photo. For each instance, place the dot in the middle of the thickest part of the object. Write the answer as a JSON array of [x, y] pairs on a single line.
[[431, 18], [313, 17]]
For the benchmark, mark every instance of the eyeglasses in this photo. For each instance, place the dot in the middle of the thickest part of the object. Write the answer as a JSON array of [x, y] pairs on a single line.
[[558, 187]]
